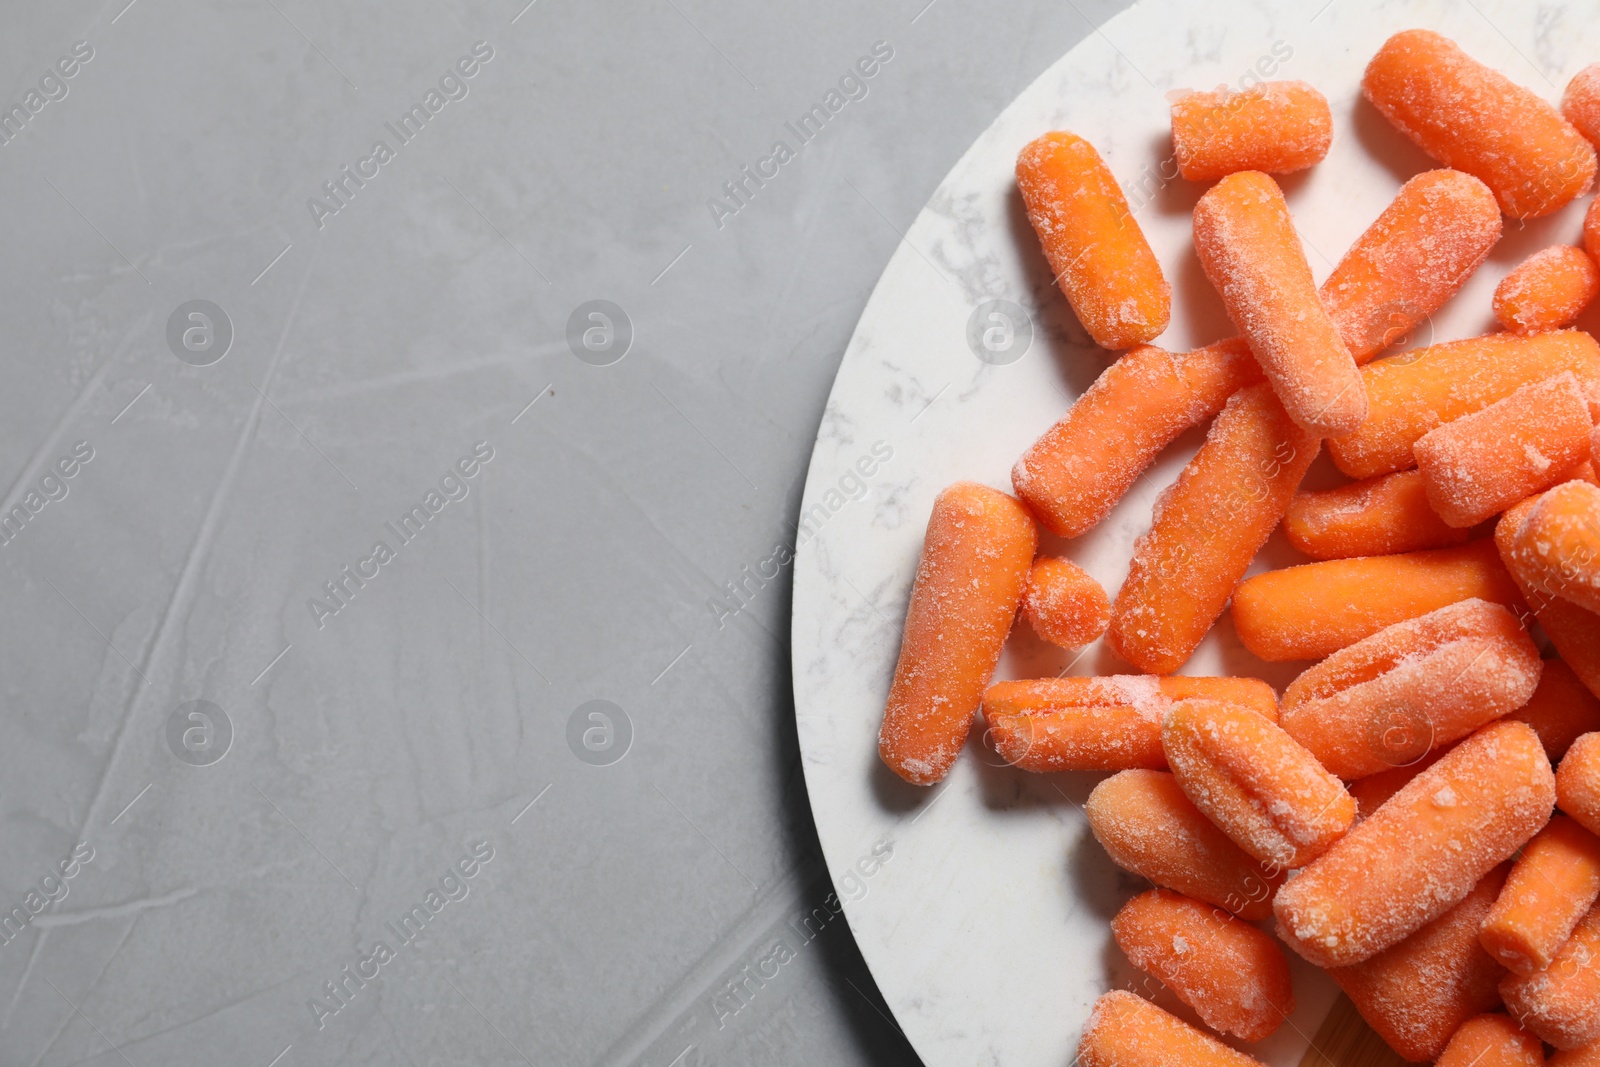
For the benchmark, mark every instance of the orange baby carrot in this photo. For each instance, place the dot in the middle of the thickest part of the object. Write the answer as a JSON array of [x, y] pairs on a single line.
[[1084, 464], [1232, 974], [1249, 249], [1561, 1004], [1492, 1040], [1099, 255], [1376, 517], [1480, 464], [1585, 1056], [1423, 851], [1578, 782], [1561, 709], [1066, 606], [1310, 611], [1260, 786], [1413, 392], [1423, 247], [1573, 630], [1580, 104], [1419, 992], [1591, 229], [1101, 724], [1417, 685], [1208, 526], [974, 565], [1547, 291], [1552, 886], [1125, 1030], [1277, 127], [1372, 791], [1143, 820], [1557, 547], [1475, 119]]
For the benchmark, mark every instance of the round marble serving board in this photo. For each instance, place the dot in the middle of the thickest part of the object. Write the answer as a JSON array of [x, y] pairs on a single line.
[[982, 904]]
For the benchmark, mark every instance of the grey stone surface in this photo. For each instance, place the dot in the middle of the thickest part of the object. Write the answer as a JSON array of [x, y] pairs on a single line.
[[656, 902]]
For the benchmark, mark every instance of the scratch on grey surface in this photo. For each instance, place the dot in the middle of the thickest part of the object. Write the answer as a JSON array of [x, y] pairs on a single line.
[[112, 911], [66, 1020], [401, 379], [79, 402], [187, 578]]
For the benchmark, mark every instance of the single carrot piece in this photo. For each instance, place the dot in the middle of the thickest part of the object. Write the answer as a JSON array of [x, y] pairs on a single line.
[[1375, 517], [974, 565], [1547, 291], [1418, 685], [1591, 229], [1101, 724], [1064, 603], [1374, 790], [1423, 851], [1584, 1056], [1207, 528], [1414, 392], [1561, 710], [1492, 1040], [1258, 784], [1578, 782], [1249, 249], [1480, 464], [1315, 609], [1146, 824], [1420, 251], [1125, 1030], [1417, 993], [1561, 1003], [1553, 884], [1475, 119], [1085, 463], [1558, 544], [1580, 103], [1277, 127], [1232, 974], [1573, 630], [1099, 254]]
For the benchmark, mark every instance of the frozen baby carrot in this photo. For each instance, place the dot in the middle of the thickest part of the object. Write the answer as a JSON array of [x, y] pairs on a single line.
[[1480, 464], [1150, 828], [1101, 724], [1277, 127], [1232, 974], [1547, 291], [1578, 782], [1423, 851], [1260, 786], [1573, 630], [974, 565], [1492, 1040], [1312, 610], [1475, 119], [1586, 1056], [1591, 229], [1125, 1030], [1376, 517], [1561, 710], [1066, 606], [1084, 464], [1208, 526], [1417, 685], [1557, 546], [1419, 992], [1423, 247], [1412, 393], [1562, 1002], [1580, 104], [1552, 886], [1249, 249], [1099, 255], [1372, 791]]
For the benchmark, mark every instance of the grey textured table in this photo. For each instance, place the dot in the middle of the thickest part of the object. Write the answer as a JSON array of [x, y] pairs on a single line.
[[333, 504]]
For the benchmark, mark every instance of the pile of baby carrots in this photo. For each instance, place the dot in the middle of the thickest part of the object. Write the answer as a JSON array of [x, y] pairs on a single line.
[[1394, 813]]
